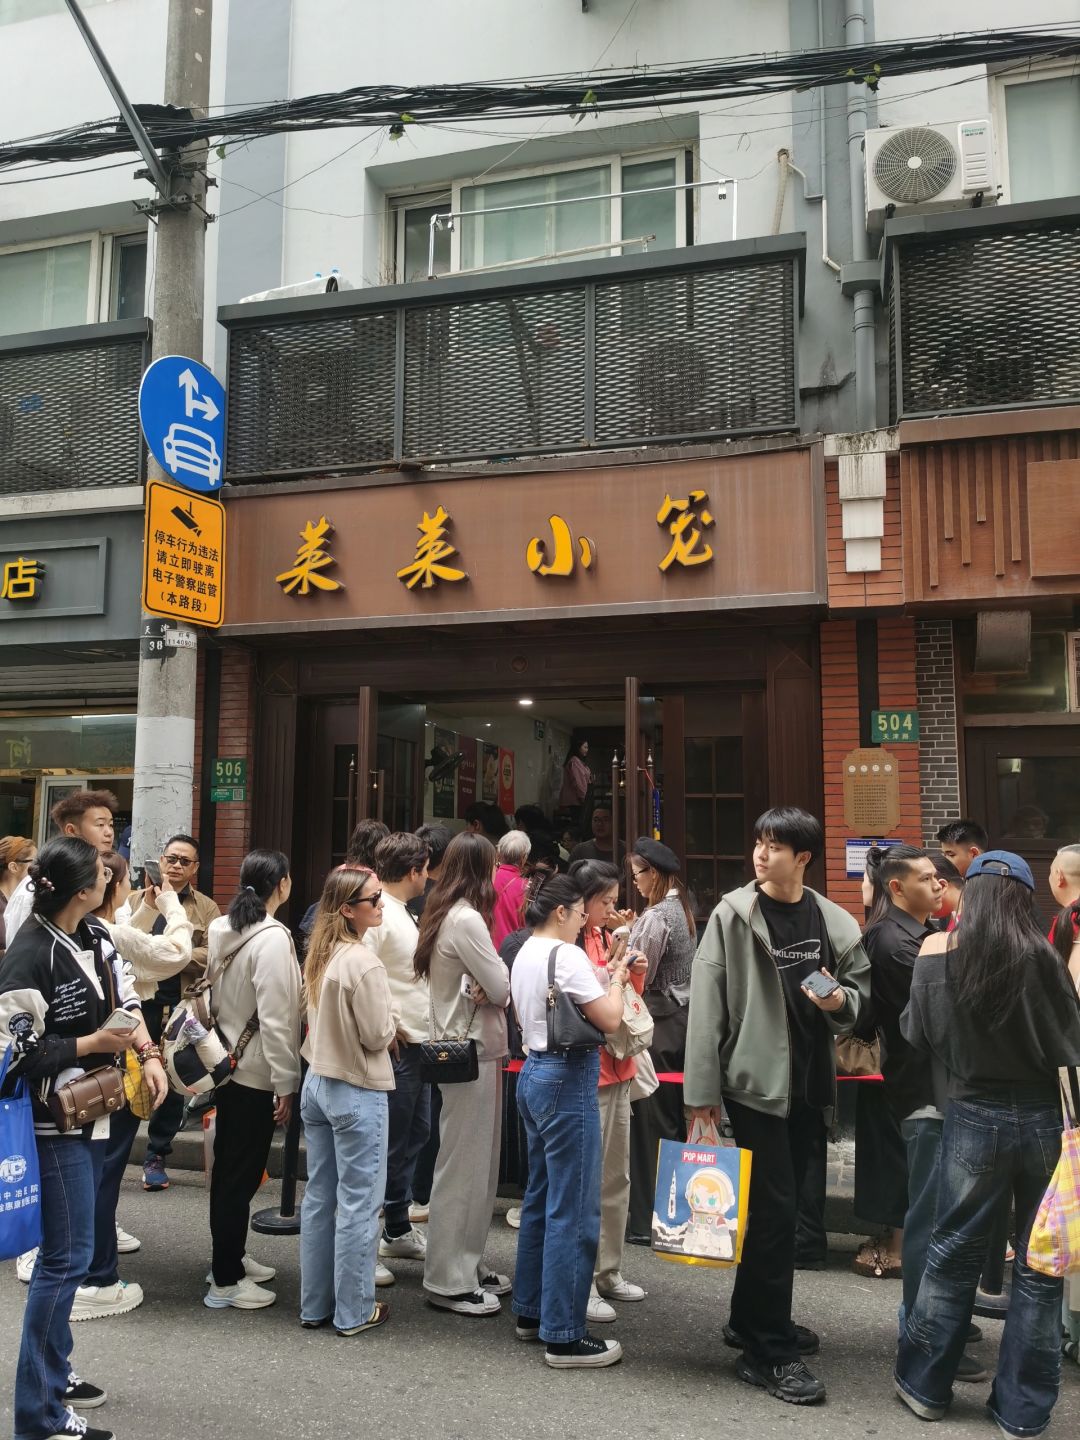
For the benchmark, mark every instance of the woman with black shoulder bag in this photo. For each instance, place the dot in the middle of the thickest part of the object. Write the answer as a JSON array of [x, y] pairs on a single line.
[[61, 992], [560, 1214]]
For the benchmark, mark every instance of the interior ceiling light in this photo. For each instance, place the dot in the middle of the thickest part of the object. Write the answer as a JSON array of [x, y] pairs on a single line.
[[524, 700]]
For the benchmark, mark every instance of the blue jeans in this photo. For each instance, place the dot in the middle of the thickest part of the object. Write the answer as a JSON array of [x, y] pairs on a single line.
[[560, 1215], [923, 1140], [104, 1266], [409, 1105], [345, 1130], [70, 1169], [988, 1149]]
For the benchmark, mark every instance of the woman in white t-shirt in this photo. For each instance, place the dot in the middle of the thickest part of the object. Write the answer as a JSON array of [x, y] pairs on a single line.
[[556, 1095]]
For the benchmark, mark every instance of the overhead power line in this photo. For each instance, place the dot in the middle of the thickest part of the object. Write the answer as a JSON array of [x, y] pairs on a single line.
[[397, 107]]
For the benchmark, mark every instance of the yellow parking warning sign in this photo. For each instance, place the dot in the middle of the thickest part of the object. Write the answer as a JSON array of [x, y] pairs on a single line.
[[184, 555]]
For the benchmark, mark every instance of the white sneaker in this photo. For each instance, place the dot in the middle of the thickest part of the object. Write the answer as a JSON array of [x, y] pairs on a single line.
[[383, 1276], [97, 1302], [75, 1426], [126, 1244], [513, 1217], [493, 1283], [410, 1246], [479, 1303], [261, 1274], [620, 1289], [599, 1312], [24, 1265], [418, 1214], [244, 1295]]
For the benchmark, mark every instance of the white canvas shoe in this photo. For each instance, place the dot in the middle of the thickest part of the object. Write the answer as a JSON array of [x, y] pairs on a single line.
[[24, 1265], [383, 1276], [410, 1246], [126, 1244]]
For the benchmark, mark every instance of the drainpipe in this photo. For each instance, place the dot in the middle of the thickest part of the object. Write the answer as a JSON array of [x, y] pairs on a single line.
[[859, 280]]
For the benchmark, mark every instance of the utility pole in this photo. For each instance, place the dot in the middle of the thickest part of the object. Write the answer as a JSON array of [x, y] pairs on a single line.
[[165, 725]]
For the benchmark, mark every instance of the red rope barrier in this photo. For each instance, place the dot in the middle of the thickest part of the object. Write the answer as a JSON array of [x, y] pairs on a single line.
[[675, 1077]]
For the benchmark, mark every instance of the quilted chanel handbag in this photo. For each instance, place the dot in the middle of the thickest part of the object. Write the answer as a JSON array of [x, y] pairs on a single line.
[[449, 1062]]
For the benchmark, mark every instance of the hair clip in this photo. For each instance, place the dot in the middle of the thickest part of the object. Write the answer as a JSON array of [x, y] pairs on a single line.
[[43, 885]]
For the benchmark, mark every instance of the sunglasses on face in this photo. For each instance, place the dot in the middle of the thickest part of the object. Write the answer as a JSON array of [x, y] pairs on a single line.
[[179, 860], [371, 900]]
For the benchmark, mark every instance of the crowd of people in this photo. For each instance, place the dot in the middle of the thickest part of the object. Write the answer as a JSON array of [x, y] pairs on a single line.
[[497, 944]]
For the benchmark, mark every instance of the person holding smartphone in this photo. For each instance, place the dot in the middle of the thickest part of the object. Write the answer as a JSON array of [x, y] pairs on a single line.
[[779, 973], [60, 986]]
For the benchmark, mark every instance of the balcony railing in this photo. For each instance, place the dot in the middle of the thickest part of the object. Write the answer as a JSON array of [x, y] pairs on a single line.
[[69, 417], [637, 350], [985, 309]]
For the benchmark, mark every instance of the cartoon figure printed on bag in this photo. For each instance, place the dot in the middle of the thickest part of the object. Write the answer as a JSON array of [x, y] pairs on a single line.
[[710, 1231]]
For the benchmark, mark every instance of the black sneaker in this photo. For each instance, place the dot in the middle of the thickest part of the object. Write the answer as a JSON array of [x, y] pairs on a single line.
[[974, 1335], [791, 1382], [81, 1395], [971, 1370], [76, 1428], [527, 1327], [584, 1352], [807, 1341]]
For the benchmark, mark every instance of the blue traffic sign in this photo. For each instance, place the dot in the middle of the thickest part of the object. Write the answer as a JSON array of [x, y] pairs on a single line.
[[182, 414]]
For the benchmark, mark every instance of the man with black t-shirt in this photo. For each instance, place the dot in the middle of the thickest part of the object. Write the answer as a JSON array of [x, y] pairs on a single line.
[[760, 1046]]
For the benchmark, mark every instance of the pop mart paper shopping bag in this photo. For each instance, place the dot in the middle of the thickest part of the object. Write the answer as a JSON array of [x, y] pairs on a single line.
[[701, 1202]]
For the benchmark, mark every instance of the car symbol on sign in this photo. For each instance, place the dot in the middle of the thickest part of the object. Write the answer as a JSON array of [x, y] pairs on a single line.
[[186, 448]]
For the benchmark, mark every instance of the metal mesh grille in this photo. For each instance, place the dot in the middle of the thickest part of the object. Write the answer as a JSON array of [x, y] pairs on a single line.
[[989, 320], [69, 416], [704, 353], [499, 375], [312, 394]]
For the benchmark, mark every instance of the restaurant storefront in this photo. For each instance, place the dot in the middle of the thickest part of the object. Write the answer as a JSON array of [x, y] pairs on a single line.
[[418, 642]]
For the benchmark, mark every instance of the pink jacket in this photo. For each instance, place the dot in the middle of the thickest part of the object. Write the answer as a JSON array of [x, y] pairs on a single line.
[[508, 914]]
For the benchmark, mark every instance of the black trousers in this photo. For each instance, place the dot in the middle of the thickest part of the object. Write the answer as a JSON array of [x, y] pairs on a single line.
[[167, 1119], [761, 1298], [661, 1116], [811, 1237], [244, 1130]]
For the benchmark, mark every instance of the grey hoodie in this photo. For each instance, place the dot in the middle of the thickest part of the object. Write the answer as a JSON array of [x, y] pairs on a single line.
[[737, 1041], [264, 980]]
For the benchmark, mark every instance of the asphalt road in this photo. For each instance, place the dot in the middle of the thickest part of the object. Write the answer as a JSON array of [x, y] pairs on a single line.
[[175, 1369]]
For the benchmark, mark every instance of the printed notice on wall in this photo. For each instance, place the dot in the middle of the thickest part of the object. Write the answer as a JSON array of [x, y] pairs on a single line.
[[871, 791]]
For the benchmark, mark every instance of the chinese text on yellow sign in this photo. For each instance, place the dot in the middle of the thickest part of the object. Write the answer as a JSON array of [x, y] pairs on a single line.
[[184, 555]]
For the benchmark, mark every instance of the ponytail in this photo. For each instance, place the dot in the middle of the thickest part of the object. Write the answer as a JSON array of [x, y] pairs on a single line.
[[260, 875]]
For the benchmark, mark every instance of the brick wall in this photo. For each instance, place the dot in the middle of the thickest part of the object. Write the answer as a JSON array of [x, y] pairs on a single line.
[[873, 588], [841, 732], [939, 764]]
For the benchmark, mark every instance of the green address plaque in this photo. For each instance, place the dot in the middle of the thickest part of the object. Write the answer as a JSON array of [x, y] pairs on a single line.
[[894, 727]]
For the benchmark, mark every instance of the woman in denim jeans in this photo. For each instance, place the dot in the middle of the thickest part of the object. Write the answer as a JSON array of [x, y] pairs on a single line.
[[343, 1105], [998, 1011], [556, 1095]]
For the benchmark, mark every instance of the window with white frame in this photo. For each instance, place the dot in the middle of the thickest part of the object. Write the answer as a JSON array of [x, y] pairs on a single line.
[[613, 205], [75, 281], [1039, 126]]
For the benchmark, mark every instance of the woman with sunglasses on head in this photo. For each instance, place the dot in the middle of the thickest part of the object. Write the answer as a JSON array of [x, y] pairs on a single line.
[[993, 1004], [666, 935], [560, 1214], [351, 1026], [256, 988], [15, 857], [455, 955]]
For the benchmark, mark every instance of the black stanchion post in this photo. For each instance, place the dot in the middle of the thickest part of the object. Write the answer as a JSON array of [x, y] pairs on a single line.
[[285, 1220]]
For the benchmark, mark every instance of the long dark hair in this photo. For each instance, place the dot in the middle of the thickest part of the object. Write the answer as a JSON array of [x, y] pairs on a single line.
[[260, 875], [559, 890], [885, 863], [466, 873], [1067, 924], [1000, 951], [64, 866], [594, 877]]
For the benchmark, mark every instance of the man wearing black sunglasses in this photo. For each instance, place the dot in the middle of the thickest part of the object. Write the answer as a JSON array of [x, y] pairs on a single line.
[[180, 863]]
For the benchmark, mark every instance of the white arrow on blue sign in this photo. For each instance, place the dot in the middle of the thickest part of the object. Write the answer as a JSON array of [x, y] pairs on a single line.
[[182, 414]]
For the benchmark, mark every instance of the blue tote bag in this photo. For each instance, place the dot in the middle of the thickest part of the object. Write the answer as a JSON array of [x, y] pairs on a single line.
[[20, 1176]]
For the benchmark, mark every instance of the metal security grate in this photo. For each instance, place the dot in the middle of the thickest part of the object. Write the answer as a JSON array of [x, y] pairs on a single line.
[[313, 396], [669, 348], [710, 352], [987, 320], [69, 416], [500, 375]]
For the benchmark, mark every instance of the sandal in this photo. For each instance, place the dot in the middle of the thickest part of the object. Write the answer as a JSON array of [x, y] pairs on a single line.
[[379, 1316], [877, 1264]]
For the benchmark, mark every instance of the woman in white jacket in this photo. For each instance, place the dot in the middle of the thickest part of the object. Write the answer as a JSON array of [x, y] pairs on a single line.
[[255, 981], [453, 950]]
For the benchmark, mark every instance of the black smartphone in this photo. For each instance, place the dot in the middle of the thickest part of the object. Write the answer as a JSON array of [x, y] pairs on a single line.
[[152, 872], [820, 985]]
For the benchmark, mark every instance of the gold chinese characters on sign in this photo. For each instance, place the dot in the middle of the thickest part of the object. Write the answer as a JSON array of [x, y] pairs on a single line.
[[685, 523], [433, 549], [560, 559], [311, 557], [22, 579]]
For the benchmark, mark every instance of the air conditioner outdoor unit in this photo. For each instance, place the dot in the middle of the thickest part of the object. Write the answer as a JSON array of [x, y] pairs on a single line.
[[916, 168]]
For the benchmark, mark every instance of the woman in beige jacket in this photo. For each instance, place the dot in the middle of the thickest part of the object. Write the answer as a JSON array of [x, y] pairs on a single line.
[[351, 1025], [469, 988]]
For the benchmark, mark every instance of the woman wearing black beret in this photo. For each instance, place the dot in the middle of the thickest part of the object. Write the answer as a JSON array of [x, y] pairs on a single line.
[[666, 935]]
